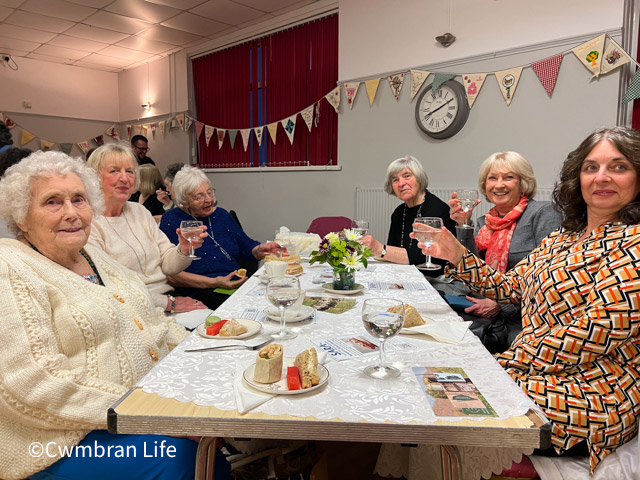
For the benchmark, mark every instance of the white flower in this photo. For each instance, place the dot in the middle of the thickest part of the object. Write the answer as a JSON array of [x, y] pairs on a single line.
[[333, 238], [351, 262], [351, 235]]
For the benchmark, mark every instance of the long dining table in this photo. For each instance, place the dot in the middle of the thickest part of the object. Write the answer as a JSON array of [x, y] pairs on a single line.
[[198, 393]]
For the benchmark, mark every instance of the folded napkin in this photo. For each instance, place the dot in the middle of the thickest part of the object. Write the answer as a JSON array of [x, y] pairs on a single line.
[[445, 332], [192, 319]]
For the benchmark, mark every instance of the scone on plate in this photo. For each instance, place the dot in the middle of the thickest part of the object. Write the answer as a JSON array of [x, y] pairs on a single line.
[[233, 328], [307, 363], [411, 316], [287, 258], [294, 269]]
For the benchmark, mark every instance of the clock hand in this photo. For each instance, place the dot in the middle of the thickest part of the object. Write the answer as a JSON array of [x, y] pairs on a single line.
[[441, 106]]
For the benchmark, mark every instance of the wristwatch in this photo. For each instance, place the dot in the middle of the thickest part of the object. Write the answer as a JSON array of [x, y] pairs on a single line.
[[384, 251]]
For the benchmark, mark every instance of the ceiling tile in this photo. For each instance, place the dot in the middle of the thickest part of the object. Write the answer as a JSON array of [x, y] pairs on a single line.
[[13, 31], [143, 10], [14, 52], [61, 52], [77, 43], [119, 23], [49, 58], [272, 5], [126, 53], [96, 66], [58, 9], [104, 60], [169, 35], [139, 43], [226, 11], [95, 33], [91, 3], [4, 13], [184, 4], [11, 3], [188, 22], [14, 43], [39, 22]]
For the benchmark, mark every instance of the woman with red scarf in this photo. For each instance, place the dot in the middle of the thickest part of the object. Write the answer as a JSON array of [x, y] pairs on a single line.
[[510, 230]]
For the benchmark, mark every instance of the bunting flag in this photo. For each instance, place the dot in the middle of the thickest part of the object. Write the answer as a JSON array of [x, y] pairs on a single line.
[[547, 71], [180, 118], [395, 82], [473, 83], [613, 57], [46, 145], [245, 133], [508, 81], [350, 91], [9, 123], [112, 131], [439, 79], [273, 131], [417, 79], [84, 146], [289, 125], [99, 140], [66, 147], [333, 97], [259, 131], [590, 54], [220, 132], [199, 127], [316, 120], [162, 126], [129, 131], [154, 126], [372, 89], [633, 91], [173, 123], [307, 116], [145, 130], [26, 137], [208, 133], [137, 129], [187, 123], [232, 136]]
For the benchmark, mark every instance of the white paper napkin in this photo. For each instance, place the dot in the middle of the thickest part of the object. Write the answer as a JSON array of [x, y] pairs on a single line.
[[445, 332]]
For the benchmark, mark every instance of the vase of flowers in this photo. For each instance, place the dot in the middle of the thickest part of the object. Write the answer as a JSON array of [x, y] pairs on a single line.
[[345, 254]]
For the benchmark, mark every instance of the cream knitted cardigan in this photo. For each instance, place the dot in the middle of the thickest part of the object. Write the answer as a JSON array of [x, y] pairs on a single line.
[[70, 350]]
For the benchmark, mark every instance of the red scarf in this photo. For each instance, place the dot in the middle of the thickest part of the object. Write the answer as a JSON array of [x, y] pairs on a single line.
[[495, 235]]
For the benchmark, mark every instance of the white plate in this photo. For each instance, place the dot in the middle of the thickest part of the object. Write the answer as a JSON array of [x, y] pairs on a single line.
[[280, 387], [253, 327], [329, 288], [273, 313]]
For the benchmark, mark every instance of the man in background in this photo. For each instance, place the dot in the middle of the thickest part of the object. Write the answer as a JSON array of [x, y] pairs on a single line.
[[140, 146]]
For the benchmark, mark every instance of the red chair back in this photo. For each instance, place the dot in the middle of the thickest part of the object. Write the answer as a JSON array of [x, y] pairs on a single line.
[[324, 225]]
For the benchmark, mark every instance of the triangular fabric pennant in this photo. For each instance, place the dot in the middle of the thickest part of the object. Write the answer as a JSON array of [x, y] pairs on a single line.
[[188, 121], [145, 130], [372, 89], [112, 131], [614, 57], [547, 71], [472, 84], [508, 82], [590, 54], [9, 123], [199, 128], [66, 147], [245, 133], [289, 125], [333, 97], [128, 131], [180, 118], [633, 91], [162, 126], [208, 133], [154, 126], [417, 79], [220, 132], [395, 82], [350, 91], [84, 146], [46, 145], [259, 131], [439, 79], [307, 116], [99, 140], [26, 137], [232, 136], [137, 129], [173, 123], [273, 131]]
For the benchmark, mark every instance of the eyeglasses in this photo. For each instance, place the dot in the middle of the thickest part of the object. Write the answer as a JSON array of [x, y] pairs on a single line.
[[142, 149], [199, 198]]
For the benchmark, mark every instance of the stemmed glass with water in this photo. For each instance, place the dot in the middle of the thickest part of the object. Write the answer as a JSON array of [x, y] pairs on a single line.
[[284, 240], [283, 292], [191, 229], [427, 230], [468, 198], [382, 318], [361, 227]]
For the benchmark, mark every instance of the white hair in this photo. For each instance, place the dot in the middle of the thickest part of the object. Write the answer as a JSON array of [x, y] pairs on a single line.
[[187, 181], [15, 186]]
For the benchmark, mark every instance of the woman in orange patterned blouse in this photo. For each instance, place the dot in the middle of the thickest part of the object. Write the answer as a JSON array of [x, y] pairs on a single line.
[[578, 355]]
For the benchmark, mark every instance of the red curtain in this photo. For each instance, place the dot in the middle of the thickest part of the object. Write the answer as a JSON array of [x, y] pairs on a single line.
[[266, 81]]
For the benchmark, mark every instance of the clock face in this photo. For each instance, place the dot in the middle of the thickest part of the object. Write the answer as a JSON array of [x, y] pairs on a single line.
[[441, 114]]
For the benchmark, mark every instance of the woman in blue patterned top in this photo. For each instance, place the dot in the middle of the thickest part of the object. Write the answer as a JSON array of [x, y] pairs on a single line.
[[225, 246]]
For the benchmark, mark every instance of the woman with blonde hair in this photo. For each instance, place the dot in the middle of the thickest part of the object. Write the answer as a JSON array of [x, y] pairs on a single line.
[[150, 182]]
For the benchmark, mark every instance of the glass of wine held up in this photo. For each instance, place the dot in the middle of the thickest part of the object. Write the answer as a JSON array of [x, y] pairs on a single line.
[[427, 230], [283, 292], [468, 198], [361, 227], [191, 229], [382, 318]]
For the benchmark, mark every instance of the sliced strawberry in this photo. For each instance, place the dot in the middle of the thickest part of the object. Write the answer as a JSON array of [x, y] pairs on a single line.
[[215, 328], [293, 378]]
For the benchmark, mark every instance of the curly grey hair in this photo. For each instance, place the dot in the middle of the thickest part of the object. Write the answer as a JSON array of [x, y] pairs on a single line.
[[400, 164], [187, 181], [15, 186]]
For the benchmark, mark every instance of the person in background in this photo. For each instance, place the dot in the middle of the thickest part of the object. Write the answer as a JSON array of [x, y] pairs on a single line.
[[8, 158], [166, 196], [140, 146], [578, 355], [407, 180], [130, 235], [150, 182], [5, 138], [63, 363], [224, 245]]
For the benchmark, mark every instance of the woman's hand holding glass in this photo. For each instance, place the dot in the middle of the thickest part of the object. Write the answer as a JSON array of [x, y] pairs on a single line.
[[446, 247], [427, 230], [190, 237], [461, 206]]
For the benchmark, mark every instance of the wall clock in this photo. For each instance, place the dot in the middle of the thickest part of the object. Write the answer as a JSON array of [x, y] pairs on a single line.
[[442, 114]]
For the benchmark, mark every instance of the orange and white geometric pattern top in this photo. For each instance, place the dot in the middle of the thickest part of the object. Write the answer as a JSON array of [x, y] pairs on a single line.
[[578, 355]]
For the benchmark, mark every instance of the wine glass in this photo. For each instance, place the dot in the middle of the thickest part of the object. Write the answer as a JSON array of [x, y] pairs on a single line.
[[468, 198], [382, 318], [283, 292], [361, 227], [427, 230], [282, 239], [191, 229]]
